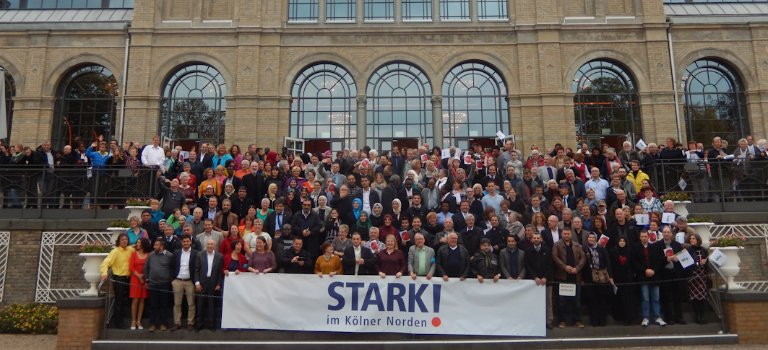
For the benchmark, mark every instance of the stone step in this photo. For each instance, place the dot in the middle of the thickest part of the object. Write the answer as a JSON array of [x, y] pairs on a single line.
[[677, 335]]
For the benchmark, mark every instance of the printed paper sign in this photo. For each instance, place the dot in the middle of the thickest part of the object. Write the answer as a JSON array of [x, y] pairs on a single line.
[[718, 257], [653, 237], [446, 153], [604, 240], [667, 218], [669, 252], [641, 144], [684, 258], [467, 158], [567, 290], [500, 135], [642, 219]]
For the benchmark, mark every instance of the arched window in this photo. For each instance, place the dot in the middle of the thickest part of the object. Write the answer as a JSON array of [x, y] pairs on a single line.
[[85, 106], [399, 106], [323, 106], [474, 104], [194, 106], [715, 104], [605, 104], [8, 94]]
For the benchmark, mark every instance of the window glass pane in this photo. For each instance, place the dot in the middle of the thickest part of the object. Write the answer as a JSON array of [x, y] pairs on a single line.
[[417, 10], [302, 10], [398, 96], [340, 10], [85, 105], [605, 102], [379, 10], [454, 9], [492, 9], [474, 103], [715, 104], [194, 105], [326, 109]]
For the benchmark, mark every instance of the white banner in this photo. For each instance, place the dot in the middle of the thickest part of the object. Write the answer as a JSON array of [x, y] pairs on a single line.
[[373, 304]]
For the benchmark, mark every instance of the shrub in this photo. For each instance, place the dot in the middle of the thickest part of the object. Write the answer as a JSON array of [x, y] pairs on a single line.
[[96, 247], [730, 240], [120, 223], [675, 196], [137, 202], [29, 319]]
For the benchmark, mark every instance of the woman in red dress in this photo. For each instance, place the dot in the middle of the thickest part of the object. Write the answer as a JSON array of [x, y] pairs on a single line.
[[138, 292]]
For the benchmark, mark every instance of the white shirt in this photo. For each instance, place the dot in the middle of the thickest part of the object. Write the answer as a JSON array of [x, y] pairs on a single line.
[[357, 256], [210, 263], [184, 264], [555, 236], [367, 200], [153, 156]]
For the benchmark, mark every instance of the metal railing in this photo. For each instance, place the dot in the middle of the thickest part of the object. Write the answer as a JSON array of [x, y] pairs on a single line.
[[29, 189], [719, 182]]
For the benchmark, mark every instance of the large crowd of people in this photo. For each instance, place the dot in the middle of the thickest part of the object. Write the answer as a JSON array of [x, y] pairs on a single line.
[[586, 217]]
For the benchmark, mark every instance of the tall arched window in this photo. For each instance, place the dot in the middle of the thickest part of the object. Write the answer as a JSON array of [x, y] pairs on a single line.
[[194, 106], [85, 106], [8, 93], [605, 104], [399, 105], [474, 104], [323, 106], [715, 104]]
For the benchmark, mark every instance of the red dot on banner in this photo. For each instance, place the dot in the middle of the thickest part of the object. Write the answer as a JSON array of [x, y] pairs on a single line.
[[436, 321]]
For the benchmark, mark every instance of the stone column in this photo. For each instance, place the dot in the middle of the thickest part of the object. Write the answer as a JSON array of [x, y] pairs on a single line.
[[80, 321], [362, 117], [437, 120]]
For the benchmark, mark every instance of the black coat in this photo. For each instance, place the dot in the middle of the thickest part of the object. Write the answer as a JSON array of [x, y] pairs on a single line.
[[538, 264], [348, 261], [201, 271], [254, 184], [269, 223]]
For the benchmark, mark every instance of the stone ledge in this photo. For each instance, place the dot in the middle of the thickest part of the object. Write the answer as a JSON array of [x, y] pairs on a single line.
[[745, 296], [81, 303]]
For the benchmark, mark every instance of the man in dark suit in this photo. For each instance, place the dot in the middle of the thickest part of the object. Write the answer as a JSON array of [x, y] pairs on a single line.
[[277, 218], [389, 193], [551, 234], [471, 235], [669, 272], [207, 157], [491, 177], [569, 200], [459, 219], [307, 224], [254, 184], [538, 267], [574, 184], [184, 261], [366, 191], [357, 259], [208, 277]]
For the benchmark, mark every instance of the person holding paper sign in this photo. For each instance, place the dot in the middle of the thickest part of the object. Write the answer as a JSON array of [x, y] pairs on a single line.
[[698, 284], [670, 288], [597, 271], [569, 259]]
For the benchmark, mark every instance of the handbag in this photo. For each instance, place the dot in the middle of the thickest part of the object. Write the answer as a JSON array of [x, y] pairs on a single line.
[[600, 276]]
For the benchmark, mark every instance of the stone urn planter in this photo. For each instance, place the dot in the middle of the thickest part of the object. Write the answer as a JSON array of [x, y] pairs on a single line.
[[730, 267], [703, 230], [681, 208], [91, 272], [135, 210]]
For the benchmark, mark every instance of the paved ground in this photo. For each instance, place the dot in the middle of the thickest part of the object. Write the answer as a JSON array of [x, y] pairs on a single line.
[[27, 342], [48, 342]]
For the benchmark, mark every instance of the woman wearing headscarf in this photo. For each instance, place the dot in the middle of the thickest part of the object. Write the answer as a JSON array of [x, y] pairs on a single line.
[[363, 226], [376, 217], [357, 208], [625, 302], [597, 291]]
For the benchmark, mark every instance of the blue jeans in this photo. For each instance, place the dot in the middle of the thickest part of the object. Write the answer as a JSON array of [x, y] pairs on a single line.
[[650, 299]]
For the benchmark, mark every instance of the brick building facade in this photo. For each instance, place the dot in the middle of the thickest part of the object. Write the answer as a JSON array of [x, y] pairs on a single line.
[[533, 50]]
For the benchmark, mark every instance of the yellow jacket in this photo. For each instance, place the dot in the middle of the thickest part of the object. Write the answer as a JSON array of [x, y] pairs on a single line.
[[118, 259], [638, 180]]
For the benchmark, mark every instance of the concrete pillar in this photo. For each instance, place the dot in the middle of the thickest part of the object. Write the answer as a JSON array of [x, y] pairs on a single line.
[[437, 120], [362, 123]]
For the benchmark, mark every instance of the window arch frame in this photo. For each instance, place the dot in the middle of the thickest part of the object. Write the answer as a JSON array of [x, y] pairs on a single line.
[[741, 123], [375, 114], [63, 130], [9, 94], [599, 68], [341, 132], [500, 108], [216, 101]]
